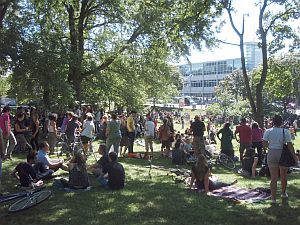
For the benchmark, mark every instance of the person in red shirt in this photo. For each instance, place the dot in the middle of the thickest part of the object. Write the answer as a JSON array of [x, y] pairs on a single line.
[[8, 135], [244, 132]]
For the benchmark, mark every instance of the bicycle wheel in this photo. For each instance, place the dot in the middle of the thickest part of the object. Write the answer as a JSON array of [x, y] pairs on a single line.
[[29, 201], [226, 161]]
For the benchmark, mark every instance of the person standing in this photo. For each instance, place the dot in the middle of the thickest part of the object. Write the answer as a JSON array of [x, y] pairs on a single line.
[[273, 139], [113, 134], [9, 140], [164, 137], [87, 132], [149, 135], [245, 137], [35, 131], [1, 156], [131, 130], [198, 129], [257, 135], [226, 140], [52, 132]]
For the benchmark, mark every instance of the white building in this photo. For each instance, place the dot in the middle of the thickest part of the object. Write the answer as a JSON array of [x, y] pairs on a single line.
[[201, 79]]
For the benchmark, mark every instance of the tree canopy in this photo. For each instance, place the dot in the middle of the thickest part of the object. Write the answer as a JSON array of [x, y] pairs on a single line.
[[92, 50]]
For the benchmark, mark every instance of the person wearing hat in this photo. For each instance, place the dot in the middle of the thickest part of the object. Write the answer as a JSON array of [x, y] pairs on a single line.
[[198, 129]]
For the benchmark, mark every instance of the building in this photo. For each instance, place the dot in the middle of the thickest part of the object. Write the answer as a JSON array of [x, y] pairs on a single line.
[[201, 79]]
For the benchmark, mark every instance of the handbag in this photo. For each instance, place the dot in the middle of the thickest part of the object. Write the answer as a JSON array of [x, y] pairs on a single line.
[[286, 158]]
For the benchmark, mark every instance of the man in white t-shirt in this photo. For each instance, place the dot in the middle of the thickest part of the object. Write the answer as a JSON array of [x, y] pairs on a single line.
[[149, 135]]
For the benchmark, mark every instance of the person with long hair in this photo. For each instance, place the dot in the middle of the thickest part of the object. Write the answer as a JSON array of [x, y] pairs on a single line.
[[35, 131], [78, 176], [200, 176], [257, 135], [52, 132], [226, 140], [273, 139]]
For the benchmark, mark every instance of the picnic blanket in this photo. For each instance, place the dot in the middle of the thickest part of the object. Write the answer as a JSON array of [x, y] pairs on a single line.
[[243, 194]]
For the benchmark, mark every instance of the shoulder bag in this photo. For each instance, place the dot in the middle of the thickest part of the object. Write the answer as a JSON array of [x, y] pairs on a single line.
[[286, 158]]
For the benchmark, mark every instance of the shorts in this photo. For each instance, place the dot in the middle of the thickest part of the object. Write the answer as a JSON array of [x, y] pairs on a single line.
[[165, 144], [85, 139], [244, 146], [273, 157]]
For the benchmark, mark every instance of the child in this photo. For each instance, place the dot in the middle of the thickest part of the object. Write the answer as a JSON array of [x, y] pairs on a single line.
[[25, 173], [250, 162], [188, 149]]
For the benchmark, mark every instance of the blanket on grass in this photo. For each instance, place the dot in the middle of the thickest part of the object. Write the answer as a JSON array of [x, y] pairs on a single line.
[[242, 194]]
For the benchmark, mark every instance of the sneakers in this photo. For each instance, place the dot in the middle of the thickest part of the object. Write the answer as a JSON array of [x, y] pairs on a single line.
[[284, 195]]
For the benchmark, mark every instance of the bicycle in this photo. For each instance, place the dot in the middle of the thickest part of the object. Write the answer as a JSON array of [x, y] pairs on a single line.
[[28, 199], [220, 158]]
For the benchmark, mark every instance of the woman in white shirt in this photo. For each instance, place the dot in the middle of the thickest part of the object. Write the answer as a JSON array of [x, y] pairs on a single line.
[[88, 130], [274, 138]]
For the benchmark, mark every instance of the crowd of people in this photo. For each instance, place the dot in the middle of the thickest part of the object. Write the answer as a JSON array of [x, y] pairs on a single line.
[[37, 133]]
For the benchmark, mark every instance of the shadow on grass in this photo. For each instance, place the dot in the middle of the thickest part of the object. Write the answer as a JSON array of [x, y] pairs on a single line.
[[149, 201]]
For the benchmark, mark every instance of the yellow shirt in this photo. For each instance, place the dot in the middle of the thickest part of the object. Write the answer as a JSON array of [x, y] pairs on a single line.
[[130, 124]]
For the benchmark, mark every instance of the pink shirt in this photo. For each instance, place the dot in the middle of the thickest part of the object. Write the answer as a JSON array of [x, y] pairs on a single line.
[[5, 118], [257, 135]]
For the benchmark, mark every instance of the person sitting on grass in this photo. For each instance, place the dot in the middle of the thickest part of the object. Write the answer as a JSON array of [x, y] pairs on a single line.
[[250, 162], [200, 176], [188, 149], [96, 168], [78, 177], [26, 174], [113, 177], [43, 157], [178, 156]]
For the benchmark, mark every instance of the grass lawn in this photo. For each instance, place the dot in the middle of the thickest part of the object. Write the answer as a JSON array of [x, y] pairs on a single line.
[[152, 201]]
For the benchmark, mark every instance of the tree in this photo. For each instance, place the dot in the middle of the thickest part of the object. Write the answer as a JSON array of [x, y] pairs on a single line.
[[234, 84], [3, 9], [282, 82], [269, 22], [101, 31]]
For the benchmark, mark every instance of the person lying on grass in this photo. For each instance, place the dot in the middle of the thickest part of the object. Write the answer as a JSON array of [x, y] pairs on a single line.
[[113, 177], [200, 176], [26, 174], [96, 168]]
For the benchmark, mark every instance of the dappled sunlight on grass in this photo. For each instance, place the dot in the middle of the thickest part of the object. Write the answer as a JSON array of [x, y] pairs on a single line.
[[156, 200]]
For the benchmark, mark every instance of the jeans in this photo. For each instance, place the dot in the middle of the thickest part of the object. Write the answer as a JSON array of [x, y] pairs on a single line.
[[12, 143], [131, 136], [115, 143], [103, 182]]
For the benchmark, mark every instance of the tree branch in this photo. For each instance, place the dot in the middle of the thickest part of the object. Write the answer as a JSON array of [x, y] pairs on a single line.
[[112, 58]]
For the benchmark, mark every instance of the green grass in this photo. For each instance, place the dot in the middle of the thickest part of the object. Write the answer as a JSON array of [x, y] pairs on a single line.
[[151, 201]]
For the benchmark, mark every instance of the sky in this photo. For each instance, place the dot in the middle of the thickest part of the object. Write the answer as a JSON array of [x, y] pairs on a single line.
[[225, 51]]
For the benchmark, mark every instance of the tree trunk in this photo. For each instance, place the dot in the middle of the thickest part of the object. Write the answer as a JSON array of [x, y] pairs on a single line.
[[46, 96], [3, 9], [78, 89]]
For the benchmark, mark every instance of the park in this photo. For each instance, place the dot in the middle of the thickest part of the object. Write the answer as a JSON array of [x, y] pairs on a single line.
[[101, 62]]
